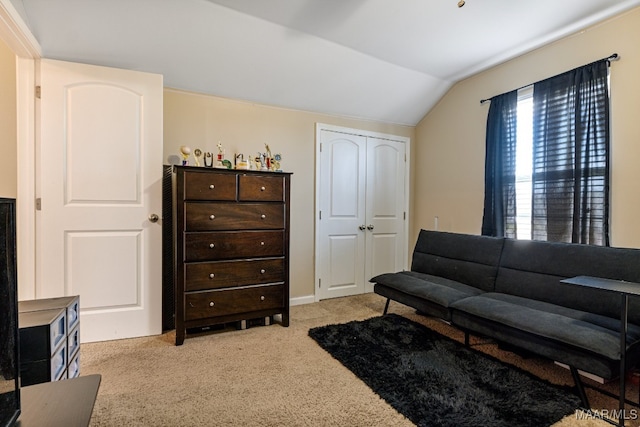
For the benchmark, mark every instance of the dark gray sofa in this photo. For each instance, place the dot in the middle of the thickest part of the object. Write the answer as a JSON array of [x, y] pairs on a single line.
[[510, 290]]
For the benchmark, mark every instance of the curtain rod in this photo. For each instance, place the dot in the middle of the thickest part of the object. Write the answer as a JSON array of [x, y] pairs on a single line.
[[613, 57]]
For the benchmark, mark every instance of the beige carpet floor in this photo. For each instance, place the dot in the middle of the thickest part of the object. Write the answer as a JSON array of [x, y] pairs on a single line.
[[264, 376]]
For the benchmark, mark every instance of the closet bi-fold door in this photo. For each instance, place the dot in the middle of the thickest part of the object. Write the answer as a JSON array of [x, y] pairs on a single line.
[[385, 208], [361, 217]]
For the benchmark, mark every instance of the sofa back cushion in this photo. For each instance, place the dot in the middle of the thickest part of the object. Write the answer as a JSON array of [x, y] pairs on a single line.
[[533, 269], [469, 259]]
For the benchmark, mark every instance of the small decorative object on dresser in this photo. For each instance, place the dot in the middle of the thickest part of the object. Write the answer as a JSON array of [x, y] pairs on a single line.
[[197, 153], [208, 159], [231, 246], [220, 157], [241, 163], [185, 152]]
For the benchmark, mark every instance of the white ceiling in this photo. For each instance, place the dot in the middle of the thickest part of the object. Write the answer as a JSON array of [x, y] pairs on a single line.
[[382, 60]]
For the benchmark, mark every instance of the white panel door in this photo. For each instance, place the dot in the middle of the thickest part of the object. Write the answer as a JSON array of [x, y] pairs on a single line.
[[100, 172], [342, 206], [386, 240], [361, 227]]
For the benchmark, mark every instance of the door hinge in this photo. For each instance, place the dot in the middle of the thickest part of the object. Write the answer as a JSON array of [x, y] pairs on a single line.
[[320, 215], [405, 216], [321, 147], [38, 91], [319, 283], [38, 204]]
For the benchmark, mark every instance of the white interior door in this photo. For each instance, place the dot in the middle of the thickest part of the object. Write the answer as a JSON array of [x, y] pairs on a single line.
[[342, 208], [361, 224], [100, 171], [386, 237]]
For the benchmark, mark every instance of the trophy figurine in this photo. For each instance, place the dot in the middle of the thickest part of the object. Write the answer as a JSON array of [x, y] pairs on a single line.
[[220, 158], [252, 162], [185, 152], [208, 160], [276, 162], [241, 163], [267, 156], [263, 161]]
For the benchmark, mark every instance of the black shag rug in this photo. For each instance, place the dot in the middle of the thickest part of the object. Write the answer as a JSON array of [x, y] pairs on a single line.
[[436, 381]]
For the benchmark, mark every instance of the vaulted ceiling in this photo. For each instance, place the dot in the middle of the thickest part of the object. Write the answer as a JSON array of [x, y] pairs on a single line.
[[382, 60]]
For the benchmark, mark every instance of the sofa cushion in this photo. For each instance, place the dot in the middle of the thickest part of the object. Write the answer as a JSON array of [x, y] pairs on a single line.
[[469, 259], [588, 331], [533, 269], [433, 288]]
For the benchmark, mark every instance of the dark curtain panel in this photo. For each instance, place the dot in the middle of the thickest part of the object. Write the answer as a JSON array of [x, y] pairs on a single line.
[[499, 218], [570, 200]]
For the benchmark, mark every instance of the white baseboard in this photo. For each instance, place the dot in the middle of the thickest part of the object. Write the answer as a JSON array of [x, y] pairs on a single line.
[[584, 374], [302, 300]]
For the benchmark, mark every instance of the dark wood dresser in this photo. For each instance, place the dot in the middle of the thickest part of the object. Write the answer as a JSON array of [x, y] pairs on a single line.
[[231, 246]]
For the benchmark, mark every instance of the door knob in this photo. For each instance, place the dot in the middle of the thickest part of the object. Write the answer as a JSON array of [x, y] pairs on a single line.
[[362, 227], [370, 227], [153, 217]]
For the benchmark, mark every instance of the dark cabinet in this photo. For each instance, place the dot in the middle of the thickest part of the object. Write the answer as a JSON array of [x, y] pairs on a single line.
[[49, 339], [230, 235]]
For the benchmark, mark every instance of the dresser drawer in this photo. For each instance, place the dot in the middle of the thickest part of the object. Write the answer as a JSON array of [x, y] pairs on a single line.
[[201, 305], [211, 246], [261, 188], [233, 216], [209, 186], [222, 274], [73, 343]]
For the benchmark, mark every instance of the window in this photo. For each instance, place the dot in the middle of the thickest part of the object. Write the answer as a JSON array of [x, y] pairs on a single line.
[[524, 162], [547, 159]]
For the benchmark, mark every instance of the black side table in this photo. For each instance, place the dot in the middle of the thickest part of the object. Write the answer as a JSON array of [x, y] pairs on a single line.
[[624, 289], [66, 403]]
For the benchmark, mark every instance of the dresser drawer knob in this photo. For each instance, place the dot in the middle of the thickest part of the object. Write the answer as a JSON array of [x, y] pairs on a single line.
[[211, 304], [262, 188], [211, 276], [262, 271], [212, 217], [261, 243], [262, 298], [212, 245], [211, 187], [263, 216]]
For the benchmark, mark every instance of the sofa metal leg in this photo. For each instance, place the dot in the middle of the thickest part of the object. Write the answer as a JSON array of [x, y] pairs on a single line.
[[578, 381], [623, 389], [386, 306]]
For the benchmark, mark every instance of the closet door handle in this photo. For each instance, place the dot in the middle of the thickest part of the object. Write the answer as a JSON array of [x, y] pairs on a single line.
[[362, 227], [370, 227]]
